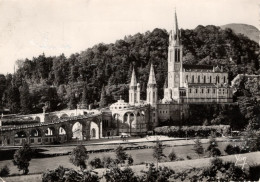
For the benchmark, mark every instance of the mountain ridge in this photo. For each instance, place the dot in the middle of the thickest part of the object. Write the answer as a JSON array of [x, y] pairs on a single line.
[[248, 30]]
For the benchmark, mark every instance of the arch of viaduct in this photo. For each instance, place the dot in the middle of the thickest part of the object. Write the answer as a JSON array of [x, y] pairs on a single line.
[[60, 130], [133, 121]]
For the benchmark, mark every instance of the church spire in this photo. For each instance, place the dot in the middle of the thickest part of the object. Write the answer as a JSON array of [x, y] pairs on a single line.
[[175, 31], [133, 79], [151, 80]]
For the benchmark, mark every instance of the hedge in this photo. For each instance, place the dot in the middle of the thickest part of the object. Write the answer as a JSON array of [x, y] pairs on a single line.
[[192, 131]]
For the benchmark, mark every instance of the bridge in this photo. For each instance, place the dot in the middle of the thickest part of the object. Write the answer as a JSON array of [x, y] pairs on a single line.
[[59, 130]]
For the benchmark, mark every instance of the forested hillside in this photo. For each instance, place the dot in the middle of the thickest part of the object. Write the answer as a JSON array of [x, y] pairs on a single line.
[[63, 82]]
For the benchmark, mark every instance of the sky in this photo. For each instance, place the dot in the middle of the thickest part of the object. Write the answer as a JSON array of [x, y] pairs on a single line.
[[29, 28]]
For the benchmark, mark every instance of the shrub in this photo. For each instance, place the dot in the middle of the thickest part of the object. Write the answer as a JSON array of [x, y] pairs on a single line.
[[121, 155], [96, 163], [54, 175], [188, 157], [109, 162], [230, 149], [65, 174], [161, 174], [78, 157], [191, 131], [198, 148], [130, 160], [212, 148], [254, 172], [116, 174], [172, 156], [5, 171], [214, 152]]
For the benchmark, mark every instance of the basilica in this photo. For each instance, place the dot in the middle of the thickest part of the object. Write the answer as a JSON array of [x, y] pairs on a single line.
[[186, 84]]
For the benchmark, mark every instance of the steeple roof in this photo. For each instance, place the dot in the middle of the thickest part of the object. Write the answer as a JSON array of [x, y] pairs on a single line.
[[152, 79], [133, 79], [175, 31]]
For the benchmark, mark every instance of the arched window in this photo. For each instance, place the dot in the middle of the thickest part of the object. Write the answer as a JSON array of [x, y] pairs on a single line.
[[153, 96], [224, 79], [192, 79], [198, 79], [176, 55], [202, 90], [135, 98], [93, 133], [217, 79], [187, 78], [210, 79], [204, 79]]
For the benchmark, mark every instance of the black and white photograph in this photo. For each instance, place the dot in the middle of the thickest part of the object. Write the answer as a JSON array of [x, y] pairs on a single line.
[[129, 90]]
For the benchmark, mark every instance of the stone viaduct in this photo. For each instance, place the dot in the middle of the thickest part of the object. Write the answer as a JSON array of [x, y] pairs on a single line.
[[55, 130]]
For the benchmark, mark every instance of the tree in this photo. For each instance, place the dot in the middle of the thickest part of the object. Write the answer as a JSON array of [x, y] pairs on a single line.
[[84, 99], [158, 151], [121, 155], [25, 99], [13, 98], [78, 157], [103, 98], [73, 101], [22, 157], [198, 148], [212, 148], [172, 156]]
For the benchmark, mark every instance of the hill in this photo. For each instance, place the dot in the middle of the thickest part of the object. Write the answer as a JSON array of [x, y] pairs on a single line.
[[59, 82], [248, 30]]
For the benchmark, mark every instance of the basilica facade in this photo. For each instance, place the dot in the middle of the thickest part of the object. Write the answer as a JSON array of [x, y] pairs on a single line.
[[185, 84]]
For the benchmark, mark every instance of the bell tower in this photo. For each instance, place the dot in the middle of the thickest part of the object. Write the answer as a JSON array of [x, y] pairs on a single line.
[[174, 56]]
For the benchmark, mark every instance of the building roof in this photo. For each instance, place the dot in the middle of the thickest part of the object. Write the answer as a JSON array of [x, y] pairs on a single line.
[[120, 104], [198, 67], [152, 79], [202, 85], [133, 79]]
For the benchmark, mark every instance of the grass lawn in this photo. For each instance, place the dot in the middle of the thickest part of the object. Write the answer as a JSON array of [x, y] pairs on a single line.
[[251, 158], [39, 165]]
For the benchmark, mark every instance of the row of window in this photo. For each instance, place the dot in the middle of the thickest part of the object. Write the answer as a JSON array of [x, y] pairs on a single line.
[[162, 112], [203, 80], [208, 90]]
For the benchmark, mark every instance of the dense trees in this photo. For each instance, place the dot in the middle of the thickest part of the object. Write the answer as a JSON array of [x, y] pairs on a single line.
[[110, 65], [25, 99]]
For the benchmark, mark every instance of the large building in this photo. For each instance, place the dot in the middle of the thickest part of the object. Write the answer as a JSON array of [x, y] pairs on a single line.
[[193, 83], [186, 84]]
